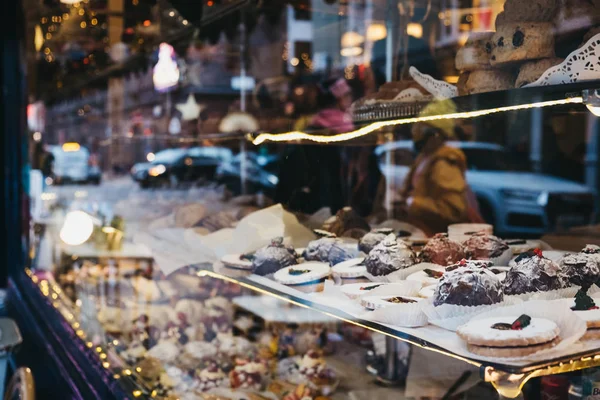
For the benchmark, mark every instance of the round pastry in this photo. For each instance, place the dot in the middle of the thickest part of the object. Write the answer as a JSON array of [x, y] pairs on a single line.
[[592, 250], [376, 302], [314, 369], [529, 11], [350, 271], [533, 70], [211, 377], [482, 246], [586, 309], [510, 336], [514, 42], [442, 251], [307, 277], [248, 373], [428, 276], [474, 55], [488, 80], [388, 256], [468, 286], [273, 257], [581, 269], [355, 290], [328, 250], [373, 238], [239, 261], [532, 272]]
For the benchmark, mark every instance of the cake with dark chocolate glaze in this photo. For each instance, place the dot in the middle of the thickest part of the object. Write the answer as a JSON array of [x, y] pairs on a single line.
[[481, 246], [273, 257], [580, 269], [532, 272], [388, 256], [592, 250], [443, 251], [327, 249], [372, 239], [468, 286]]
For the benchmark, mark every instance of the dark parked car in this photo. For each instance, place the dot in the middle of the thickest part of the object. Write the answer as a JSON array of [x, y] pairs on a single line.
[[173, 167], [261, 173]]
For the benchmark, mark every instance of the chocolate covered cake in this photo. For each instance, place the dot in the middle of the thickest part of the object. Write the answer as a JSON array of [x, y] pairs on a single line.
[[532, 272], [327, 249], [581, 269], [482, 246], [389, 255], [468, 286], [443, 251], [273, 257], [372, 239]]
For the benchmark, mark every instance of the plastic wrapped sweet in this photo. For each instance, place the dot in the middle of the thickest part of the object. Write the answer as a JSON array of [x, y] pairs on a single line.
[[468, 286], [273, 257], [372, 239], [211, 377], [532, 272], [482, 246], [248, 373], [388, 256], [442, 250], [327, 249]]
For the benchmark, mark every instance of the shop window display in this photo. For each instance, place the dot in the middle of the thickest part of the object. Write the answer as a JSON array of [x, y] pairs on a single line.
[[317, 199]]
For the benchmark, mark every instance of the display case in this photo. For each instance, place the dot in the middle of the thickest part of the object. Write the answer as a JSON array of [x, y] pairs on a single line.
[[314, 199]]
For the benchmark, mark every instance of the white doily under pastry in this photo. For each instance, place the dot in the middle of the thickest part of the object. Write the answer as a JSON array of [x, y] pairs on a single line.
[[439, 89], [581, 65]]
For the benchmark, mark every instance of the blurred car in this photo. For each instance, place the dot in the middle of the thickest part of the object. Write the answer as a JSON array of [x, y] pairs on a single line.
[[72, 163], [172, 167], [515, 202], [261, 173]]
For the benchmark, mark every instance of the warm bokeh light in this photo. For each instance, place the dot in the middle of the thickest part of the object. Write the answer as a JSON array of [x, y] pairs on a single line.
[[77, 228]]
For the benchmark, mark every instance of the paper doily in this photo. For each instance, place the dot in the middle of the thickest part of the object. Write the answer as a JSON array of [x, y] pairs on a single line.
[[439, 89], [581, 65]]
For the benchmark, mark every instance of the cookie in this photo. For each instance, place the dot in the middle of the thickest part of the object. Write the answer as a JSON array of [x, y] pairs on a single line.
[[531, 71], [529, 11], [306, 277], [489, 332], [512, 352], [239, 261], [515, 42], [483, 81], [475, 54]]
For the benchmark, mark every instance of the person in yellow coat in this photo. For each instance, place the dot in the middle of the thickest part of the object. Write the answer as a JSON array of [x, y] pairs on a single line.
[[435, 193]]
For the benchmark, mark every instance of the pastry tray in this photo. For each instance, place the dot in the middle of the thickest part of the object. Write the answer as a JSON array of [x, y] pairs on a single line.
[[429, 337]]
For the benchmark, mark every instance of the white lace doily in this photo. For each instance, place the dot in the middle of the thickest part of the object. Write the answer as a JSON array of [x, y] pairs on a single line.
[[439, 89], [581, 65]]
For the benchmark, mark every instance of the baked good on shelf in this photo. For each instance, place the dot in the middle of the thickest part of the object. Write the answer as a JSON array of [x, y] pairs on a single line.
[[592, 250], [347, 223], [581, 269], [442, 250], [273, 257], [488, 80], [532, 272], [516, 42], [509, 336], [468, 286], [529, 11], [481, 246], [211, 377], [248, 373], [461, 85], [314, 369], [373, 238], [586, 309], [428, 276], [533, 70], [307, 277], [330, 250], [388, 256], [350, 271], [591, 33], [475, 54]]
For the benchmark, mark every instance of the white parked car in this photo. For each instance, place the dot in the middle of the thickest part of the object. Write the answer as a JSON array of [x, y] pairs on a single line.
[[72, 164], [515, 202]]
